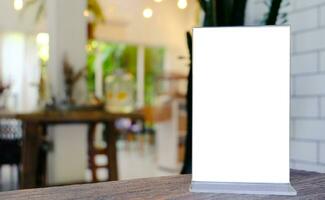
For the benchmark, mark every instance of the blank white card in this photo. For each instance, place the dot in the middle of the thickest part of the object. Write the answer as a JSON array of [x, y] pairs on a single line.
[[241, 94]]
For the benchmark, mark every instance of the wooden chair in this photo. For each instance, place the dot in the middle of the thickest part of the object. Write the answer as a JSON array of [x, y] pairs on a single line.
[[93, 151], [10, 144], [108, 150]]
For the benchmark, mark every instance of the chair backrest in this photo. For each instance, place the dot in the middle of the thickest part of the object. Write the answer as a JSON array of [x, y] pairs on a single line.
[[10, 129], [10, 140]]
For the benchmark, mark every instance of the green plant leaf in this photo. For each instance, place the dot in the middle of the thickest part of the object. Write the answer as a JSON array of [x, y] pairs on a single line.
[[203, 5], [274, 11]]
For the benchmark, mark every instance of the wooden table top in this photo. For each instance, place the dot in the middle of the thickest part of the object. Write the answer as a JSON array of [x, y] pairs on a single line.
[[70, 116], [309, 185]]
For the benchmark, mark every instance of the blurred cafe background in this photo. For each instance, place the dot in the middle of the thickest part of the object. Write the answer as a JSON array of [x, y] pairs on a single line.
[[100, 90]]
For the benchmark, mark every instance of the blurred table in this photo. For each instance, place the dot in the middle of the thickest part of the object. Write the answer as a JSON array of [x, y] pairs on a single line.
[[309, 185], [34, 132]]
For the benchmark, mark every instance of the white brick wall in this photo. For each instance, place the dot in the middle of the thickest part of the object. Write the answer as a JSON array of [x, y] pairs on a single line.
[[305, 107], [310, 84], [303, 151], [322, 106], [303, 4], [304, 63], [322, 16], [310, 129], [322, 153], [322, 59], [309, 40], [307, 19], [304, 20]]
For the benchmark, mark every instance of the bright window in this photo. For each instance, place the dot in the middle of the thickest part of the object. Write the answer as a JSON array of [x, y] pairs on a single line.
[[19, 64]]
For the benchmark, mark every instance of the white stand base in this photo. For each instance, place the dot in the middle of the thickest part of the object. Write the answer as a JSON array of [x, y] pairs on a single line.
[[244, 188]]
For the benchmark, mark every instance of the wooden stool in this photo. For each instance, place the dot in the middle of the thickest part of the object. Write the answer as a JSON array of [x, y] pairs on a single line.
[[93, 151]]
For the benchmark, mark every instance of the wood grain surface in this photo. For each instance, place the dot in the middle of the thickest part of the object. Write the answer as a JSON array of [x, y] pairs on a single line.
[[309, 185], [70, 116]]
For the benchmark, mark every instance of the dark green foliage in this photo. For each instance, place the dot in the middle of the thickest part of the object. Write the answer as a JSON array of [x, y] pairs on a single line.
[[223, 12], [238, 13], [210, 10], [232, 12], [189, 45], [274, 12], [187, 167]]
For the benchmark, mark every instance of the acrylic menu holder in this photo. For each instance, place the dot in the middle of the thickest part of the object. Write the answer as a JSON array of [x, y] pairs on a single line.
[[241, 108]]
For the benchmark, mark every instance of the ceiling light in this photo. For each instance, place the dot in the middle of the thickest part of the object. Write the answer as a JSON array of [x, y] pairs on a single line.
[[147, 13], [182, 4], [18, 4], [86, 13], [158, 1]]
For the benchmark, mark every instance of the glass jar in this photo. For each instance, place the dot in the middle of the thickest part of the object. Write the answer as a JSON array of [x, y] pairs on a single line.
[[119, 92]]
